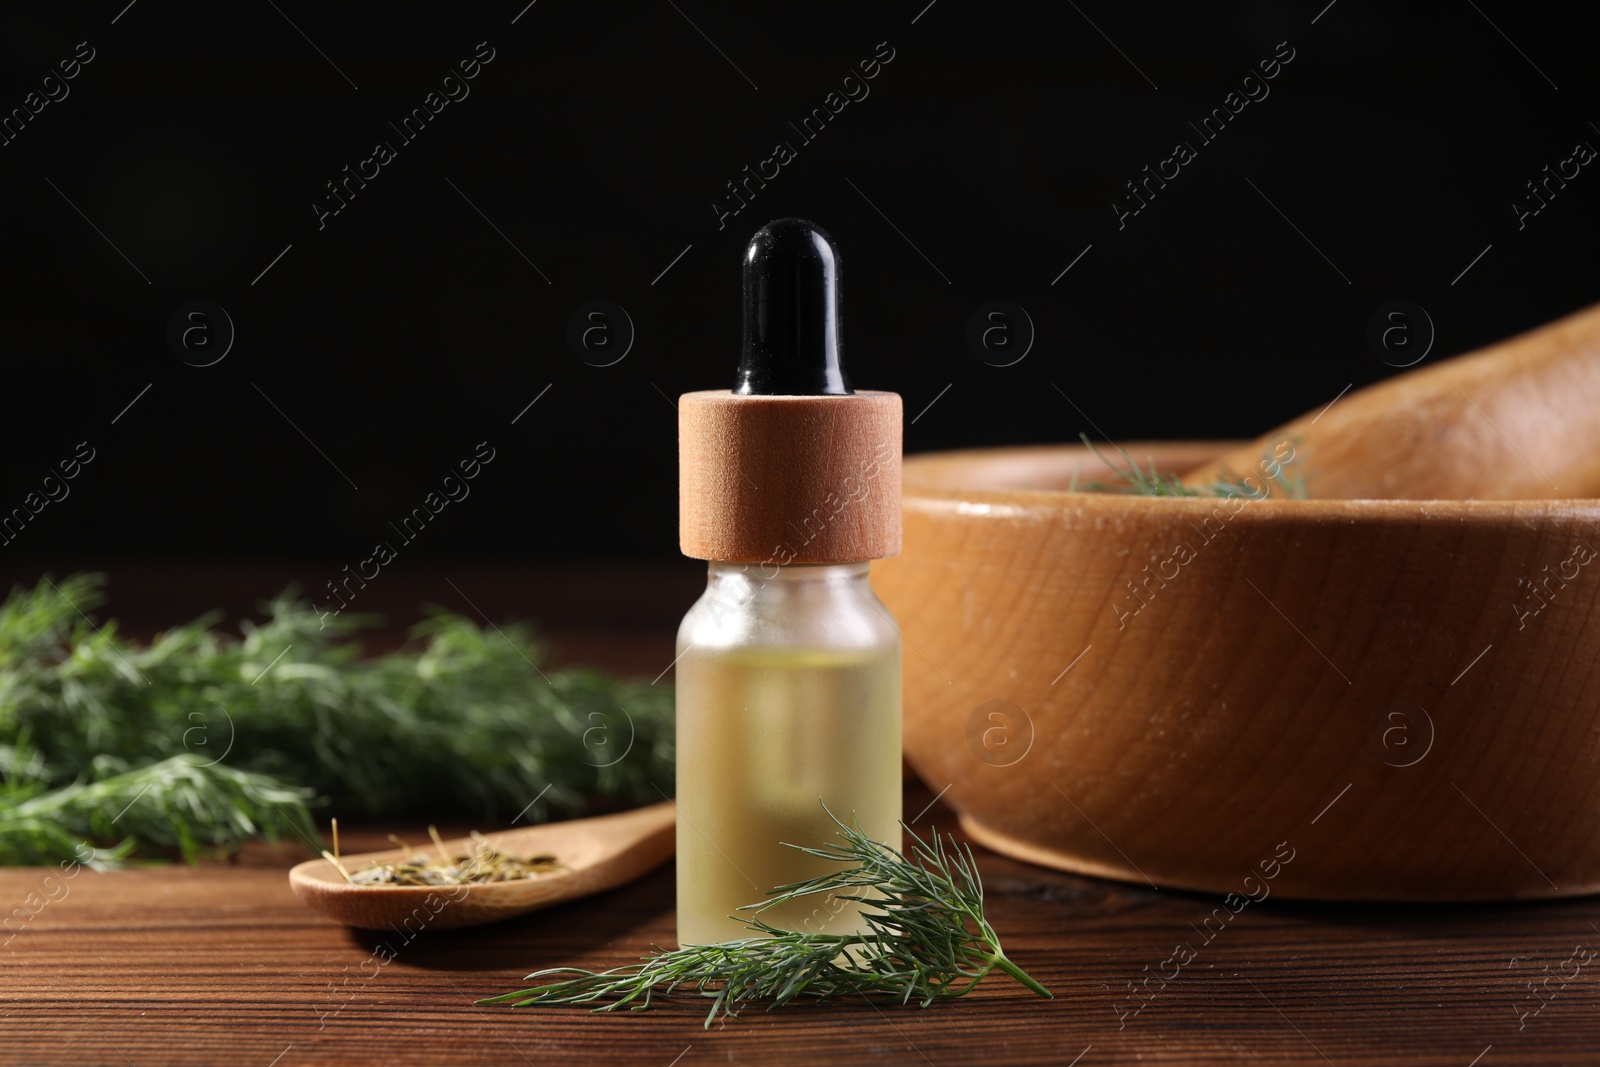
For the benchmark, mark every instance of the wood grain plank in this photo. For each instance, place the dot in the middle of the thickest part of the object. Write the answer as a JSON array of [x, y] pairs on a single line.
[[221, 964]]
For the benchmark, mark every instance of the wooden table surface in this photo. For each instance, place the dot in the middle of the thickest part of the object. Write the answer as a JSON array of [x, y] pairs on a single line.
[[222, 964]]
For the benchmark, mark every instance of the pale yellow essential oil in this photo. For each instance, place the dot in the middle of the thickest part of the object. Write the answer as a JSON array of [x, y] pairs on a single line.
[[788, 697]]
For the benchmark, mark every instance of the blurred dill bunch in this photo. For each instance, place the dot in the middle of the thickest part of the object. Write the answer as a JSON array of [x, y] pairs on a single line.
[[203, 739]]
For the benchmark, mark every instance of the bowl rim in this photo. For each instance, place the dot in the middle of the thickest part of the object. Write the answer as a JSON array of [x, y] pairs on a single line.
[[922, 494]]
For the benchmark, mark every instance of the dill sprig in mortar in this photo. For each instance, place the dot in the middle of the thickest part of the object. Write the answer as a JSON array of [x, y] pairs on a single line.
[[1135, 482], [201, 739], [926, 939]]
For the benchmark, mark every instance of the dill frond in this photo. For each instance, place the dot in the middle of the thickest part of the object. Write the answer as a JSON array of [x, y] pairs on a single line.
[[927, 939]]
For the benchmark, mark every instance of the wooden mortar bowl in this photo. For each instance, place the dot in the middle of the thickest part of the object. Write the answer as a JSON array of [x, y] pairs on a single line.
[[1371, 688]]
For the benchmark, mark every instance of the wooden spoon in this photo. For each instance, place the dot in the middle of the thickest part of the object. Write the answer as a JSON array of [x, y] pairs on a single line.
[[597, 854], [1517, 420]]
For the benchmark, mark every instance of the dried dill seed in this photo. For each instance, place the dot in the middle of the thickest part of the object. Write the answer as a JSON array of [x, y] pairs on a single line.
[[486, 864]]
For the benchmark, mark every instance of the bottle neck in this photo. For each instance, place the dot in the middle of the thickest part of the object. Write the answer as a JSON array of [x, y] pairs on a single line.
[[792, 585], [787, 573], [818, 605]]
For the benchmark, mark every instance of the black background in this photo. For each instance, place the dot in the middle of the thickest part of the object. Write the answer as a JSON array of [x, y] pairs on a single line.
[[408, 329]]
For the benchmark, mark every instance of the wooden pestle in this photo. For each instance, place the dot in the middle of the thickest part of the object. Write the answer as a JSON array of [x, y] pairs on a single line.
[[1517, 420]]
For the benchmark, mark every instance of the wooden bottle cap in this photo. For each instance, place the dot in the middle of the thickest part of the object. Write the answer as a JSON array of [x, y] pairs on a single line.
[[789, 479]]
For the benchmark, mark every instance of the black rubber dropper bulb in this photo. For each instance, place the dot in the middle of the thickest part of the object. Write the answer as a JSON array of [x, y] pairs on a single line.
[[791, 313]]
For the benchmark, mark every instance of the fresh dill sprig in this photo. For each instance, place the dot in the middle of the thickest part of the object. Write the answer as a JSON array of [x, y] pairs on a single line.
[[927, 939], [460, 722], [1136, 482]]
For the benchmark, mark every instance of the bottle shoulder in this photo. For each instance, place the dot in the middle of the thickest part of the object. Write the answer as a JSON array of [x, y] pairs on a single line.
[[749, 611]]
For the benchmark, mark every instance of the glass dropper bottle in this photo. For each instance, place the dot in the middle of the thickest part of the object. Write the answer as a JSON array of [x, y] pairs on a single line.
[[788, 670]]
